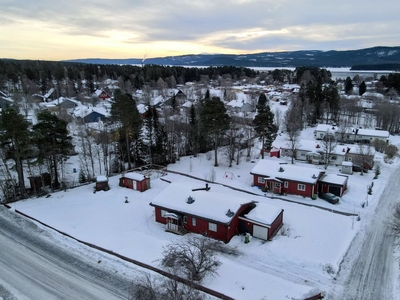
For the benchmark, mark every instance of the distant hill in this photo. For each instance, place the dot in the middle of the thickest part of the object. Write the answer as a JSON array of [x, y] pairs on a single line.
[[365, 59]]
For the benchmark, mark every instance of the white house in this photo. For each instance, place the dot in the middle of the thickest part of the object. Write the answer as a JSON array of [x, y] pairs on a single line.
[[323, 129]]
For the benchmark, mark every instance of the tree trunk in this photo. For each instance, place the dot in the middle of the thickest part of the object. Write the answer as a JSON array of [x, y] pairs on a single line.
[[216, 151]]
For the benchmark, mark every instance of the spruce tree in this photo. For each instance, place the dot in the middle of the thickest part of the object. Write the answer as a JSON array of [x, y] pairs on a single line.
[[362, 88]]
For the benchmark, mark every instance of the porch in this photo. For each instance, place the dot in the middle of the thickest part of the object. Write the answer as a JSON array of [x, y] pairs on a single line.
[[174, 224]]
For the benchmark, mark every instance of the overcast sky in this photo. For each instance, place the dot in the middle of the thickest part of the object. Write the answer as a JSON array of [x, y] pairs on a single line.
[[59, 29]]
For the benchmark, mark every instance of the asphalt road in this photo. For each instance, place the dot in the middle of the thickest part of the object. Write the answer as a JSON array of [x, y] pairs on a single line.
[[33, 266], [372, 273]]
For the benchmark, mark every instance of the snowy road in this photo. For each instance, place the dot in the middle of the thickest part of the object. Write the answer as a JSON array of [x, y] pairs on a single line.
[[32, 267], [371, 275]]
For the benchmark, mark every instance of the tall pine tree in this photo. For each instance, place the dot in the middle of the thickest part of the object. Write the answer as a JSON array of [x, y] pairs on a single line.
[[265, 127], [53, 141], [15, 140], [215, 121]]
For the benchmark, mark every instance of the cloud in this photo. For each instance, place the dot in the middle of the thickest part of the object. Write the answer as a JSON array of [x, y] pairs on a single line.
[[210, 25]]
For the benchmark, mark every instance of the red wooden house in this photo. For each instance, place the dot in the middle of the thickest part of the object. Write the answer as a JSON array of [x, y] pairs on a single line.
[[101, 94], [281, 178], [204, 211], [135, 181], [263, 221]]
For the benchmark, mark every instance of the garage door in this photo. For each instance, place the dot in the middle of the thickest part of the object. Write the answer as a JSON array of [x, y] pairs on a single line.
[[334, 190], [260, 232]]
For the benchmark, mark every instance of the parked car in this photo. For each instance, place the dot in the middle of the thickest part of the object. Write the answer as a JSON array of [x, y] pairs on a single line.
[[331, 198]]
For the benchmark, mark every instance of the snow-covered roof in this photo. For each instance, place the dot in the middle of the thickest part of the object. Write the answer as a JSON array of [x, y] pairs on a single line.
[[135, 176], [98, 92], [373, 132], [325, 128], [264, 213], [82, 110], [101, 178], [270, 169], [372, 94], [347, 164], [142, 108], [334, 179], [207, 204], [47, 95], [236, 103]]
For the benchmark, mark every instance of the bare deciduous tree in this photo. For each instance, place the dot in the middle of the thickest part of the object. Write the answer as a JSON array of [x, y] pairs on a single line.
[[328, 146], [195, 258], [394, 222], [150, 287], [292, 124]]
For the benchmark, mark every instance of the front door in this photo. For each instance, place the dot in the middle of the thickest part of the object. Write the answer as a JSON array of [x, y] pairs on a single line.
[[172, 224]]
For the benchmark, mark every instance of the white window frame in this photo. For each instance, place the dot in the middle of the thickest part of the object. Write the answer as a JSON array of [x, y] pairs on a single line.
[[194, 221], [260, 179], [277, 184], [286, 184], [163, 213], [185, 219], [301, 187], [212, 227]]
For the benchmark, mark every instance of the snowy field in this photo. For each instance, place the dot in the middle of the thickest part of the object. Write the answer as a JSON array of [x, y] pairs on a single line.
[[300, 261]]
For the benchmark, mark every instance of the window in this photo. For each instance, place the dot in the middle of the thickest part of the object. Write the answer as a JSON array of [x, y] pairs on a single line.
[[302, 154], [350, 159], [129, 181], [277, 185], [163, 213], [184, 219], [286, 184], [333, 157], [193, 221], [261, 180], [301, 187], [212, 226]]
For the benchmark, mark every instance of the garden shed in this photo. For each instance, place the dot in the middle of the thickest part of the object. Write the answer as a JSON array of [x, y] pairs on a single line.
[[135, 181], [347, 167], [102, 183]]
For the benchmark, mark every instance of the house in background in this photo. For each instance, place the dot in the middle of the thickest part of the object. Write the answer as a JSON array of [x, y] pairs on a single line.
[[177, 99], [322, 130], [135, 181], [362, 156], [94, 116], [240, 106], [5, 101], [263, 221], [282, 178], [183, 208], [48, 96], [100, 94]]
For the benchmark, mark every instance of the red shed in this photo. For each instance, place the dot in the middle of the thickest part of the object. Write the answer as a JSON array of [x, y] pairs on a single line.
[[203, 211], [263, 221], [274, 152], [135, 181], [102, 183]]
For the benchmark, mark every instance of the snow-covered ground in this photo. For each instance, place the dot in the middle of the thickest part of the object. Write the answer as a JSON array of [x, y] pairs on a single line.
[[301, 260]]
